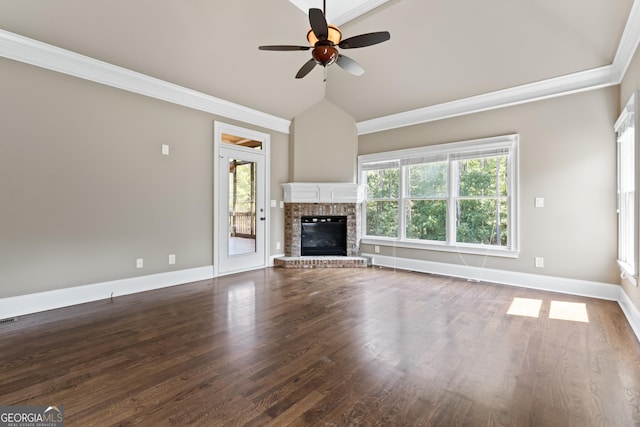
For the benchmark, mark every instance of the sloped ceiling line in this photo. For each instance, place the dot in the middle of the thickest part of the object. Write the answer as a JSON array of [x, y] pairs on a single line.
[[628, 42], [30, 51]]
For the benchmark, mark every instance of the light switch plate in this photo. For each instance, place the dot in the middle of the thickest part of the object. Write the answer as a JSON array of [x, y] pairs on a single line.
[[539, 202], [165, 150]]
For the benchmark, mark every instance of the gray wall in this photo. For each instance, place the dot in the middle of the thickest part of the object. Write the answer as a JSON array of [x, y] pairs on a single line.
[[324, 143], [85, 190], [567, 156], [631, 83]]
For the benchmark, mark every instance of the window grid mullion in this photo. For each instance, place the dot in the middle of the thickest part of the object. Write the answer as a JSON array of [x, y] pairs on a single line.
[[402, 206], [452, 194]]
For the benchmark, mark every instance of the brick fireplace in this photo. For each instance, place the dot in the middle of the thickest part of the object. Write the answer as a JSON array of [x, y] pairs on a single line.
[[321, 200]]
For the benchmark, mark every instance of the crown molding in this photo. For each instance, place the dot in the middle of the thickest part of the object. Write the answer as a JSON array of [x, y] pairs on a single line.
[[628, 43], [30, 51], [557, 86], [595, 78]]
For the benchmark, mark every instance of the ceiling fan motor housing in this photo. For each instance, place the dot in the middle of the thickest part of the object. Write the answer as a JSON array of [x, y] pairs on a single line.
[[325, 54]]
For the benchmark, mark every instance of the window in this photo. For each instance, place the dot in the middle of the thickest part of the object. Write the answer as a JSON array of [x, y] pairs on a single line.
[[452, 197], [382, 200], [627, 200]]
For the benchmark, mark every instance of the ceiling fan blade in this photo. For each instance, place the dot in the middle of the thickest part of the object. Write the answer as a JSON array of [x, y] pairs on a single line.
[[306, 68], [318, 24], [349, 65], [284, 47], [364, 40]]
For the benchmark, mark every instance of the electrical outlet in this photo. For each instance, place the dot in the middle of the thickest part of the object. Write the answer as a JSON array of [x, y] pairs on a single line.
[[539, 262], [139, 263], [376, 249], [172, 258]]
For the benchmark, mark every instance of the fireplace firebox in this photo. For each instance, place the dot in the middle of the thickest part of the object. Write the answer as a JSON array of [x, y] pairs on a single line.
[[323, 235]]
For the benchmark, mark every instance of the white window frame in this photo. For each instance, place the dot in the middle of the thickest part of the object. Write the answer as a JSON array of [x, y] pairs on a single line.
[[626, 128], [508, 142]]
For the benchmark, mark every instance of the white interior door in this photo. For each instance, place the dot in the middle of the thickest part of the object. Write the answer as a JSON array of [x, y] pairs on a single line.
[[241, 225]]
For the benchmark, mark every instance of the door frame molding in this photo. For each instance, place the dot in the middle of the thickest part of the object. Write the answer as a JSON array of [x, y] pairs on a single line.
[[218, 129]]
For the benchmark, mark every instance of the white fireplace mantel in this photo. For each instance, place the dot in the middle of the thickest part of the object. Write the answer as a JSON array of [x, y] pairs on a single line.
[[322, 192]]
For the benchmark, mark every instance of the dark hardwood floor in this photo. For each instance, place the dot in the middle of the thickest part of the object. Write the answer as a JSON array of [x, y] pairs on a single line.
[[327, 347]]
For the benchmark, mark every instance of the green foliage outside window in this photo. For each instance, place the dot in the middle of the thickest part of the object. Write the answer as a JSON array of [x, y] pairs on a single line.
[[427, 220], [382, 207], [481, 210], [428, 180], [483, 177], [383, 183], [382, 218], [242, 188], [476, 222]]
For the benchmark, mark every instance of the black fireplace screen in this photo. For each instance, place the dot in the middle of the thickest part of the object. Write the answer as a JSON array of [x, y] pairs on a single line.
[[324, 235]]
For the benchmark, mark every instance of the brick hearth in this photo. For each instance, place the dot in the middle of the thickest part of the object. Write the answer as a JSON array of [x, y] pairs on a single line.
[[321, 262]]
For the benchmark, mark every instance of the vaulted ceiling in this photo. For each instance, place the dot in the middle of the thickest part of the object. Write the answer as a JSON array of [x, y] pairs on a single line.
[[440, 50]]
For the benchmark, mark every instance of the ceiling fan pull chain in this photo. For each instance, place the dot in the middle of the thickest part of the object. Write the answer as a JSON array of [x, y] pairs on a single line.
[[325, 74]]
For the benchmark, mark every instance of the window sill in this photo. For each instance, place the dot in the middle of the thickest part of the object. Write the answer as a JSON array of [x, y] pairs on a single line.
[[443, 247], [626, 272]]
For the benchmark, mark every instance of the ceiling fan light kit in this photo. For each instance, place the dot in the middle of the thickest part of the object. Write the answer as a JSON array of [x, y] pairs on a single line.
[[334, 35], [325, 39]]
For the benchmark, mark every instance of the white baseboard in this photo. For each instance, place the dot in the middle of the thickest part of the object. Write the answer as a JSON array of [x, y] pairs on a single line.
[[49, 300], [605, 291], [599, 290], [630, 311]]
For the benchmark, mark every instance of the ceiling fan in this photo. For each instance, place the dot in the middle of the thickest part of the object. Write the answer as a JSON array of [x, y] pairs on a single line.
[[325, 39]]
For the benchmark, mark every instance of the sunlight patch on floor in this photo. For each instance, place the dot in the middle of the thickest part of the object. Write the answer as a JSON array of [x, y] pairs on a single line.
[[560, 310], [525, 307], [573, 311]]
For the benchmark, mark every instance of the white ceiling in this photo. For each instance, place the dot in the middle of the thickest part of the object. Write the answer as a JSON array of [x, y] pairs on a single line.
[[339, 12], [440, 50]]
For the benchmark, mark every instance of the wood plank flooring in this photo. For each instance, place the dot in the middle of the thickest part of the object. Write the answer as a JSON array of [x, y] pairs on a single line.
[[338, 347]]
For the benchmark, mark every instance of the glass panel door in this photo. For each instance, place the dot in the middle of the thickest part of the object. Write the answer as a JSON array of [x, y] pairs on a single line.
[[241, 236]]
